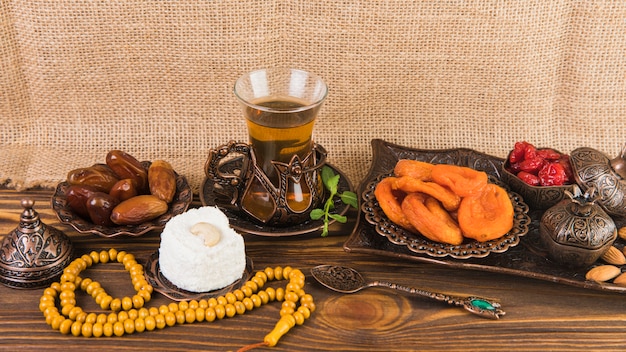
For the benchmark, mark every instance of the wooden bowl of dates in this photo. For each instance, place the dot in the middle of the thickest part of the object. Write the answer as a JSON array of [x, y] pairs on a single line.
[[540, 175], [84, 223]]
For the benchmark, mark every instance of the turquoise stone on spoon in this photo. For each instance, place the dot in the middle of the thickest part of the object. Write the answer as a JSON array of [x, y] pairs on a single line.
[[347, 280]]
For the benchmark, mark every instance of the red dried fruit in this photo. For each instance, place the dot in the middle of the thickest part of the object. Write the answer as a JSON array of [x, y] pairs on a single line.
[[567, 166], [530, 152], [532, 165], [553, 174], [548, 154], [529, 178], [517, 154]]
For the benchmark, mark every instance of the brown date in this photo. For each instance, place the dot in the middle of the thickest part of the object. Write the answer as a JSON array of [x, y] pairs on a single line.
[[77, 196], [100, 205], [99, 176], [162, 180], [138, 209], [126, 166], [124, 189]]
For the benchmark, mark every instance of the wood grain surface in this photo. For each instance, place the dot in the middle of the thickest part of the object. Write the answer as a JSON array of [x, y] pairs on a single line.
[[541, 315]]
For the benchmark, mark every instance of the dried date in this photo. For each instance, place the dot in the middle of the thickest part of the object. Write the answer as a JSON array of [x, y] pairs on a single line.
[[124, 189], [138, 209], [162, 180], [77, 196], [98, 176], [100, 206], [127, 166]]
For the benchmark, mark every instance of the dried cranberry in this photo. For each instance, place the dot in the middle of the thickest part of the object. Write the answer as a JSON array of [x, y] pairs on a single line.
[[567, 166], [530, 152], [549, 154], [513, 168], [532, 165], [552, 174], [517, 154], [528, 178]]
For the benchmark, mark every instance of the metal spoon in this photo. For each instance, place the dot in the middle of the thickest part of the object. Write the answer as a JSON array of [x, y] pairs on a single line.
[[347, 280]]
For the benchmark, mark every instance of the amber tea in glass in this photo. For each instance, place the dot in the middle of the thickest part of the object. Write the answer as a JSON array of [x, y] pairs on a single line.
[[280, 107]]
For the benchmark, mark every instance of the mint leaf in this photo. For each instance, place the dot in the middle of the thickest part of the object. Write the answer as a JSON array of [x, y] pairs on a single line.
[[327, 173], [316, 214], [340, 218], [349, 198], [331, 182]]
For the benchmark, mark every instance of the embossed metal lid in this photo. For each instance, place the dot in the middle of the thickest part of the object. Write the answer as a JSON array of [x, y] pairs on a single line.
[[33, 255], [594, 169]]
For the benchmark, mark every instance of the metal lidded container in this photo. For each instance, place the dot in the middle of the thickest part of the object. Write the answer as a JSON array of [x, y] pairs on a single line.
[[608, 176], [577, 231], [33, 255]]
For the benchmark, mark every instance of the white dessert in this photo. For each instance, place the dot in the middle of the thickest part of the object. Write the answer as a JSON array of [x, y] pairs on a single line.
[[200, 252]]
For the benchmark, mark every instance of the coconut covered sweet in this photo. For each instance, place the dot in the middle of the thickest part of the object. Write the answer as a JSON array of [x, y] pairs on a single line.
[[200, 252]]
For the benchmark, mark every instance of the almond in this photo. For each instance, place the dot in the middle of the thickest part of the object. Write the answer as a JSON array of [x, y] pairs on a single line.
[[622, 233], [603, 273], [620, 280], [614, 256]]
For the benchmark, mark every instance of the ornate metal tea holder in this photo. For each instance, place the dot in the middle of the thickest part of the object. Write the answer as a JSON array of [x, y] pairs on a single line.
[[232, 169], [33, 255]]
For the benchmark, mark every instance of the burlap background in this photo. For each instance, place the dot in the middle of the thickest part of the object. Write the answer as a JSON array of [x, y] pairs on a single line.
[[154, 78]]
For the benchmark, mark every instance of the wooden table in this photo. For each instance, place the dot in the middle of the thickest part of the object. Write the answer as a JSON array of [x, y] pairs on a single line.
[[540, 315]]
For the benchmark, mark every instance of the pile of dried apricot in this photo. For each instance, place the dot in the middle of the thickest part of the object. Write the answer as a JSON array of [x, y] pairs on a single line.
[[445, 203], [122, 191]]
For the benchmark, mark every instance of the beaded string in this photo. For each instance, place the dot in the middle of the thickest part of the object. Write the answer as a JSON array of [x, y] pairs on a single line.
[[128, 314]]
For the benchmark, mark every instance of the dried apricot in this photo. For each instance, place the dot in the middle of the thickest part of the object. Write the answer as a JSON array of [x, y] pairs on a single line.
[[487, 215], [463, 181], [431, 224], [408, 184], [390, 202], [420, 170]]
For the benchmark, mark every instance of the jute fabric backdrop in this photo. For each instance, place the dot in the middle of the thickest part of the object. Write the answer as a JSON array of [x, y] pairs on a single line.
[[154, 78]]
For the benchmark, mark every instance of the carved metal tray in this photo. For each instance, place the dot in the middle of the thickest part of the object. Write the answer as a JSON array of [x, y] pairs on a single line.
[[420, 244], [528, 259]]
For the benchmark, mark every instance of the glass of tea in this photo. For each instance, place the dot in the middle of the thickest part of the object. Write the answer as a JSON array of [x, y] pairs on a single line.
[[280, 106]]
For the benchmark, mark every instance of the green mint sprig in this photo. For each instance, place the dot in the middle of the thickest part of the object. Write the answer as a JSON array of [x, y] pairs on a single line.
[[331, 180]]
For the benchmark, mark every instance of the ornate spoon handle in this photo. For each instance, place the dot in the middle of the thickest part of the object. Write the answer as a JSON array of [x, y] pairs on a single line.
[[477, 305]]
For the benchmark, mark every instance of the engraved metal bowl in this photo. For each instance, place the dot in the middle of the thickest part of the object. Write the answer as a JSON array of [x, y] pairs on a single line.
[[180, 203], [537, 197]]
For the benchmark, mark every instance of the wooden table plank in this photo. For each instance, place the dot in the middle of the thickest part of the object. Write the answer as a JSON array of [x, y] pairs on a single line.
[[540, 315]]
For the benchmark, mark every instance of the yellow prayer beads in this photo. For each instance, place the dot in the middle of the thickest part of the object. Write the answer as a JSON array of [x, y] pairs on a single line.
[[128, 315]]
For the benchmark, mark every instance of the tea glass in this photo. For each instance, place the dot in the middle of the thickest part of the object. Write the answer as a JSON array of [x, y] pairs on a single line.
[[282, 182]]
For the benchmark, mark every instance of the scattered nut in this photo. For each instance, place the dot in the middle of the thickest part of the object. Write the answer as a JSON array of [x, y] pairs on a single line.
[[603, 273], [621, 233], [620, 280], [210, 234], [614, 256]]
